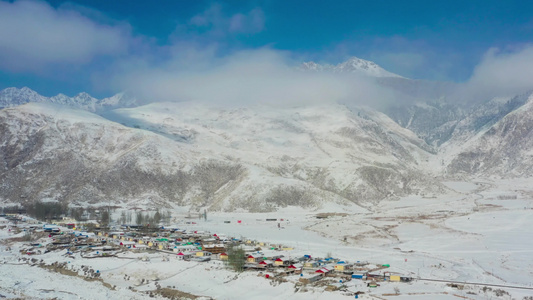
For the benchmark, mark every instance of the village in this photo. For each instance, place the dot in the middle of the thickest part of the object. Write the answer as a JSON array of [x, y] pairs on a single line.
[[277, 263]]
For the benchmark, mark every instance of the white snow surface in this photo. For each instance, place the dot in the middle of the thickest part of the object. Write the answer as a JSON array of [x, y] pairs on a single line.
[[471, 236]]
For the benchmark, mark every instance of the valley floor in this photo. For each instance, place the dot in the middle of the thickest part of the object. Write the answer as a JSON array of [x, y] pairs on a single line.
[[480, 233]]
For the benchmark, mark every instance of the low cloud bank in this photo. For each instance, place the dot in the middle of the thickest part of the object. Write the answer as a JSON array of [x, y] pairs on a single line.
[[199, 62], [263, 76], [500, 74]]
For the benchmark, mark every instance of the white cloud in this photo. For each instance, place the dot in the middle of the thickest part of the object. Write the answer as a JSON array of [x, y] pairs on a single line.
[[215, 23], [34, 35], [262, 76], [252, 22], [502, 74]]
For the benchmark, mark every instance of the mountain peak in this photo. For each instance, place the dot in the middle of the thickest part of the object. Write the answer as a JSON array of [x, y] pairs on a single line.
[[13, 96], [352, 65]]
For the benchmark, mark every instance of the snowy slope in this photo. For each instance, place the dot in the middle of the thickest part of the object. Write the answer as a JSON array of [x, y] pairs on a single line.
[[255, 158], [495, 141]]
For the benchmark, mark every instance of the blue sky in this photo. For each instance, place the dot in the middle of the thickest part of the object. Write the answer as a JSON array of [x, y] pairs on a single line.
[[74, 46]]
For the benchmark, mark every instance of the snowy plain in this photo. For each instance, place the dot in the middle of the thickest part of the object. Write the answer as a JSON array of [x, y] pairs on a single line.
[[479, 232]]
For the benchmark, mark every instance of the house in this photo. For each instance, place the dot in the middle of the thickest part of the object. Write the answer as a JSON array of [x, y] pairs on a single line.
[[201, 258], [359, 276], [304, 258], [342, 266], [279, 262], [395, 278], [184, 256], [323, 270], [310, 264], [266, 263], [127, 244], [253, 258], [183, 248], [223, 256], [215, 249], [296, 268], [203, 253], [308, 278]]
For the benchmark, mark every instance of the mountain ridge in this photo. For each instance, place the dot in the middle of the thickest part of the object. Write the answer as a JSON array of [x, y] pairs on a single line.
[[352, 65], [12, 96]]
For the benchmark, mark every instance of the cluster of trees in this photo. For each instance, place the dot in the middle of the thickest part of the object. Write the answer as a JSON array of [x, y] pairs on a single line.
[[46, 210], [54, 210], [155, 218], [13, 209], [236, 258]]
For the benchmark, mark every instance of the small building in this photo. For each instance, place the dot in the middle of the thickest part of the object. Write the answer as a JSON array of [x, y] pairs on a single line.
[[253, 258], [308, 278], [342, 266], [215, 249], [223, 256], [359, 276], [139, 247], [127, 244], [203, 253], [395, 278], [279, 262], [323, 270], [184, 256], [201, 258], [266, 263], [296, 268]]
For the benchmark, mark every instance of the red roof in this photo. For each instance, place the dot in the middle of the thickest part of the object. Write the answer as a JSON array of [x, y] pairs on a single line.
[[263, 262], [292, 267], [249, 256], [223, 254], [181, 253], [278, 259]]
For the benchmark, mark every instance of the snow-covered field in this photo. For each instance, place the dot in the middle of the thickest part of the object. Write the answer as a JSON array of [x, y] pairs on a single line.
[[480, 234]]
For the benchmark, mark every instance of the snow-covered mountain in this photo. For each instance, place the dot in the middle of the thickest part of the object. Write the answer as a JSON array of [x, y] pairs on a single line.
[[493, 140], [352, 65], [254, 158], [11, 97]]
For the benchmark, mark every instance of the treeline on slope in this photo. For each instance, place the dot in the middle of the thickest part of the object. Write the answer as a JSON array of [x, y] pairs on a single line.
[[48, 211]]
